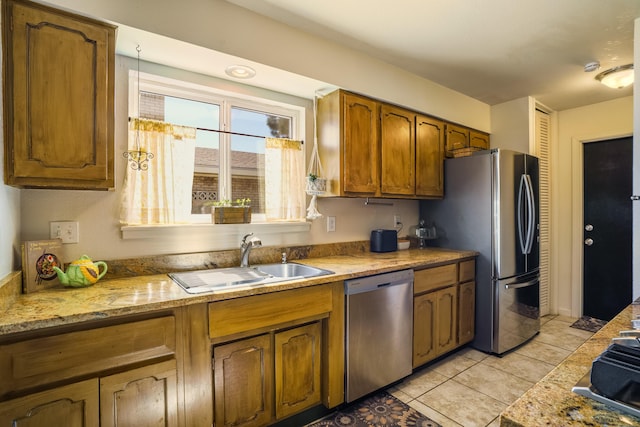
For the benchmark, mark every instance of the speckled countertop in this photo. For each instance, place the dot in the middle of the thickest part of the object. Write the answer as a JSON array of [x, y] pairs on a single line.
[[134, 295], [550, 402]]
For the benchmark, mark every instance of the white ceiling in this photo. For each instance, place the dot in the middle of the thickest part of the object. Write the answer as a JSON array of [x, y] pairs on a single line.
[[491, 50]]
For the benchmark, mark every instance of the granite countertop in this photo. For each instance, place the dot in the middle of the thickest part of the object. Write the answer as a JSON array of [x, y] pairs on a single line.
[[550, 402], [140, 294]]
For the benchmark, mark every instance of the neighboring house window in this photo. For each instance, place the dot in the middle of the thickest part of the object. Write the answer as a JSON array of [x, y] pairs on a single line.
[[231, 164]]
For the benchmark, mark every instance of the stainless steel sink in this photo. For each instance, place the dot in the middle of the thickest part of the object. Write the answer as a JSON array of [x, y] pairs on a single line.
[[291, 270], [235, 278]]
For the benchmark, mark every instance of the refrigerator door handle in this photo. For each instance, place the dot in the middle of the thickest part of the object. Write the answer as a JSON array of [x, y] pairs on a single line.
[[521, 285], [531, 205], [521, 237]]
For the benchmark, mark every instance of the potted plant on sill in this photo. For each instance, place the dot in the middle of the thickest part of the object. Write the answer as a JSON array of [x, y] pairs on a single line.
[[228, 212]]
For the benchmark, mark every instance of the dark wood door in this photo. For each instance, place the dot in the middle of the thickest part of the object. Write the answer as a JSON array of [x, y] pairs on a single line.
[[607, 227]]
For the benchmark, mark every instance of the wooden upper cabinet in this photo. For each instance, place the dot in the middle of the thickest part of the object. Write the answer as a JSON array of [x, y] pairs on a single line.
[[457, 137], [370, 148], [58, 98], [398, 147], [479, 140], [460, 137], [348, 134], [429, 157], [360, 151]]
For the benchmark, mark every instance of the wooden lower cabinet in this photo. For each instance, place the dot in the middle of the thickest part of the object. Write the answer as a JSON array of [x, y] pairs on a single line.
[[110, 375], [443, 309], [243, 382], [297, 369], [435, 320], [466, 312], [143, 397], [268, 377], [74, 405]]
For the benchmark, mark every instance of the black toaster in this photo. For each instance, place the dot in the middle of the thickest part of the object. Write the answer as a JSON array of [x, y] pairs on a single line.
[[384, 240]]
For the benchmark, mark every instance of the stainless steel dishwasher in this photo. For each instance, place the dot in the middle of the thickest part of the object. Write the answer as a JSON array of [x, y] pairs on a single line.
[[379, 330]]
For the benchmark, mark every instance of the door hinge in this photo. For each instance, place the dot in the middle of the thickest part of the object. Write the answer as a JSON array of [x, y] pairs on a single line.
[[213, 364]]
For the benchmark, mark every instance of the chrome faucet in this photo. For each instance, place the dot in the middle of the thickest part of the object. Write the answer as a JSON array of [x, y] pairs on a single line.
[[246, 246]]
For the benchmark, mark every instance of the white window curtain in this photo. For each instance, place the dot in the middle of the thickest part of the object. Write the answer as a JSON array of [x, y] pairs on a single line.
[[284, 180], [162, 193]]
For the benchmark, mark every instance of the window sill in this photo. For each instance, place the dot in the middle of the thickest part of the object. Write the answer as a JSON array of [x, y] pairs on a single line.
[[222, 234]]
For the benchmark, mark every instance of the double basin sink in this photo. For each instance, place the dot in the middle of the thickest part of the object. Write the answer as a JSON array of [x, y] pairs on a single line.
[[236, 278]]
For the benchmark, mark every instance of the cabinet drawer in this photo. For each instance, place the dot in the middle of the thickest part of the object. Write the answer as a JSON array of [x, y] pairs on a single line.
[[263, 311], [467, 270], [56, 358], [433, 278]]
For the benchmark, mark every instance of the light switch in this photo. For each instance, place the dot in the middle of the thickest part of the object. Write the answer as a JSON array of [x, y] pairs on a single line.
[[67, 231]]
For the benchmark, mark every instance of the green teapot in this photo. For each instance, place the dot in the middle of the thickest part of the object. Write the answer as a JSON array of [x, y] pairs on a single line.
[[82, 272]]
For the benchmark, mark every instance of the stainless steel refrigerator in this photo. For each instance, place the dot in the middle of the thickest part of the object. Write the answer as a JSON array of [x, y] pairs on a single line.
[[491, 206]]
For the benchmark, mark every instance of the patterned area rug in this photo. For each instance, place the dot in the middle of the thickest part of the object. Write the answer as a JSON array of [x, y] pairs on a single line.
[[382, 409], [590, 324]]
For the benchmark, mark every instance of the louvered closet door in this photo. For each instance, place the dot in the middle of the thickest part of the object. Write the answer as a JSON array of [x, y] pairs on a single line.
[[543, 140]]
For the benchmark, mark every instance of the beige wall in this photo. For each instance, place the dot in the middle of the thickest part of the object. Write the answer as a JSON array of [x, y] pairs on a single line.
[[512, 125], [227, 28], [221, 26], [9, 224], [605, 120]]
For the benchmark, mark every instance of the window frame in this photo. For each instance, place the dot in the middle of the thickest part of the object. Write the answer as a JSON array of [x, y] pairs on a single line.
[[201, 226], [146, 82]]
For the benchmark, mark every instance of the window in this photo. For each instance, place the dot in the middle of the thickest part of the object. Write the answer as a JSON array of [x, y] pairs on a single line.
[[230, 137]]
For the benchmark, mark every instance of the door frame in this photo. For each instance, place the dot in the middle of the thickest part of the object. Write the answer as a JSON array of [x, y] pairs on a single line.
[[577, 215]]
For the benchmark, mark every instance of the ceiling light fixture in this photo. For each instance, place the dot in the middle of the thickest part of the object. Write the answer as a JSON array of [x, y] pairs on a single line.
[[240, 71], [617, 77]]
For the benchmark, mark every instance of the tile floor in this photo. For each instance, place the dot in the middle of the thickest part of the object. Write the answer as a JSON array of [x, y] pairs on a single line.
[[470, 388]]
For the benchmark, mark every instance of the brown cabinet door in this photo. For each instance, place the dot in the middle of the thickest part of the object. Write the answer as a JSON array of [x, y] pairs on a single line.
[[243, 382], [59, 98], [446, 319], [466, 308], [434, 324], [360, 155], [74, 405], [457, 137], [424, 328], [429, 157], [297, 369], [397, 151], [478, 140], [143, 397]]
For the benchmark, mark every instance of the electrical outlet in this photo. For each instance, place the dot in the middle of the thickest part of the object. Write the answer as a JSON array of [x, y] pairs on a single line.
[[67, 231], [397, 221], [331, 224]]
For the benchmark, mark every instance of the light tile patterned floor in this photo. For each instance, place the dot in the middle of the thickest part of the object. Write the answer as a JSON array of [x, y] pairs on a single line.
[[470, 388]]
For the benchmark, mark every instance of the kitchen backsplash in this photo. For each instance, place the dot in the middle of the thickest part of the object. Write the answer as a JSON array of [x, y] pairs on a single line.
[[161, 264]]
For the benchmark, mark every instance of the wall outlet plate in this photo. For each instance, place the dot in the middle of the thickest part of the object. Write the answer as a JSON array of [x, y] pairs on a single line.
[[67, 231], [331, 224]]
